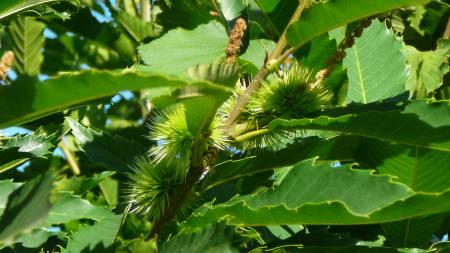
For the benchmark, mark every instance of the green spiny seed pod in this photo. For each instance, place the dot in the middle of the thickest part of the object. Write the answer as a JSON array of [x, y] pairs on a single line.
[[217, 135], [294, 95], [173, 140], [247, 124], [151, 188]]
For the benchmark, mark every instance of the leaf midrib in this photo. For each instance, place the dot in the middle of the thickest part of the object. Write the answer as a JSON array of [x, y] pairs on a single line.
[[361, 79]]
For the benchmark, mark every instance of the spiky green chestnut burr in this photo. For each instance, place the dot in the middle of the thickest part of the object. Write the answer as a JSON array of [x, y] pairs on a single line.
[[151, 188], [293, 95], [173, 140]]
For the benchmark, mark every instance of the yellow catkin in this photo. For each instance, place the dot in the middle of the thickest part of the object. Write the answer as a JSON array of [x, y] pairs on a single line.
[[236, 39], [6, 63]]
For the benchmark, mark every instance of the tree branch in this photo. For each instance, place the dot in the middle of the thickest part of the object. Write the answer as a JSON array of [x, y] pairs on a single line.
[[73, 165], [178, 197], [145, 10], [252, 134], [447, 30], [347, 42], [176, 200], [198, 149], [275, 58]]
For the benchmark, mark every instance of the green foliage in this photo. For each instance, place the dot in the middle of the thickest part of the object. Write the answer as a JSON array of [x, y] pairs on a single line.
[[215, 238], [313, 203], [71, 208], [19, 149], [412, 233], [27, 207], [327, 149], [136, 27], [421, 169], [335, 14], [27, 39], [375, 65], [256, 53], [427, 69], [13, 7], [380, 126], [161, 126], [112, 152], [6, 187], [203, 45], [38, 100], [102, 233], [186, 14], [232, 9], [225, 73], [81, 185]]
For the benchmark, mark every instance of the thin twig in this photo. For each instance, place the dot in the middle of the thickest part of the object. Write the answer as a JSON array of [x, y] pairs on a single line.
[[447, 30], [266, 69], [145, 10], [252, 134], [146, 16], [347, 42], [222, 17], [136, 9], [73, 164]]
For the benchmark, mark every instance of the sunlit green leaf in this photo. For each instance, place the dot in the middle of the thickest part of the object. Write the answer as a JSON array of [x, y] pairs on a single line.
[[320, 194], [334, 14], [69, 207], [11, 7], [203, 45], [27, 39], [427, 69], [29, 99], [376, 67], [6, 187], [406, 127]]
